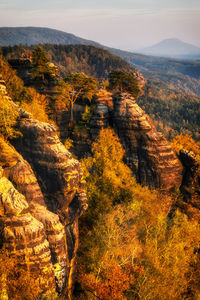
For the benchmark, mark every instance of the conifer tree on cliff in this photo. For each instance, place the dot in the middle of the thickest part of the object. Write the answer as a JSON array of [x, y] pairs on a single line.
[[40, 62], [123, 82]]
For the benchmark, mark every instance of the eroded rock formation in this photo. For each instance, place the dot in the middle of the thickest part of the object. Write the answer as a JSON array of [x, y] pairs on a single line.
[[148, 153], [101, 117], [191, 180], [41, 198]]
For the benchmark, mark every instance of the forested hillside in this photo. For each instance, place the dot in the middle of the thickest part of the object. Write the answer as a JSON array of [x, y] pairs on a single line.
[[76, 58], [174, 112], [171, 96], [10, 36]]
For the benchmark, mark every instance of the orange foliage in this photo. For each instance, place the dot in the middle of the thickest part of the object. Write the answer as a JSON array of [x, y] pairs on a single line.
[[15, 282], [133, 250], [186, 142], [111, 282]]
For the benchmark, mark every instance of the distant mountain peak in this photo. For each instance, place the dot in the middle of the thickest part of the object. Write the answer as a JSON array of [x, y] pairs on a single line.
[[172, 40], [172, 47]]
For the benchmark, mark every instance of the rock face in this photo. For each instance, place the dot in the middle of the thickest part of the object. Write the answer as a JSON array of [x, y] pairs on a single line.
[[23, 68], [23, 234], [191, 181], [147, 152], [60, 179], [41, 198]]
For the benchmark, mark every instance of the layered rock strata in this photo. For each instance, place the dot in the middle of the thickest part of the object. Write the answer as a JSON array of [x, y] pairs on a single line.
[[46, 237], [191, 179], [60, 178], [101, 117], [41, 198], [23, 235], [99, 120], [147, 152]]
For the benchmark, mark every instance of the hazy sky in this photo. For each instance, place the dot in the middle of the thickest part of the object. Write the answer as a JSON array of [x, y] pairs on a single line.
[[126, 24]]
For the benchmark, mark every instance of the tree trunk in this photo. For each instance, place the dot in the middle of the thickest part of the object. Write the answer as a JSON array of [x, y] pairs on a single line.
[[71, 112]]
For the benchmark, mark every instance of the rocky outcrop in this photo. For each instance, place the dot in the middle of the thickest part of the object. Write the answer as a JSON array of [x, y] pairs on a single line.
[[191, 179], [41, 198], [44, 232], [23, 236], [23, 68], [60, 179], [148, 153], [3, 89], [189, 200], [99, 120], [58, 173]]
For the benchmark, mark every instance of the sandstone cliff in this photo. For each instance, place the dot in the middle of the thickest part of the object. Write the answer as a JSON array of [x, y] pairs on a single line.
[[147, 152], [41, 198], [191, 178]]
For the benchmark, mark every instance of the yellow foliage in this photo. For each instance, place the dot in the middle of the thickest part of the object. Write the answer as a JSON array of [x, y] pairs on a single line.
[[168, 257], [186, 142], [9, 157], [15, 282], [108, 179], [29, 98], [14, 84], [8, 118], [68, 143], [136, 239], [37, 106]]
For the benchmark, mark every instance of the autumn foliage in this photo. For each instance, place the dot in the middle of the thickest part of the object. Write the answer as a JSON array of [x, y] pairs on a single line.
[[186, 142], [129, 246], [16, 282]]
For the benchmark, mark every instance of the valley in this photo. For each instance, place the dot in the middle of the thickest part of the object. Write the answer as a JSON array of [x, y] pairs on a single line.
[[99, 172]]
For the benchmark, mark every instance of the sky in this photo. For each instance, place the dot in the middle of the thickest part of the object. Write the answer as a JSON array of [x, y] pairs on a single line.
[[124, 24]]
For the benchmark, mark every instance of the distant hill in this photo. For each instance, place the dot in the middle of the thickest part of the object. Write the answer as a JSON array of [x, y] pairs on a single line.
[[10, 36], [172, 48]]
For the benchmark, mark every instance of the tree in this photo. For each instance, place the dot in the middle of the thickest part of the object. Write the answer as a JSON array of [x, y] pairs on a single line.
[[63, 90], [122, 81], [37, 106], [129, 247], [108, 179], [79, 85], [14, 84], [169, 259], [41, 64], [186, 142], [15, 281], [8, 118]]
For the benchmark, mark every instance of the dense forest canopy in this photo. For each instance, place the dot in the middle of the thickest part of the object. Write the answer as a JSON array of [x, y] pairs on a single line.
[[142, 252], [91, 60]]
